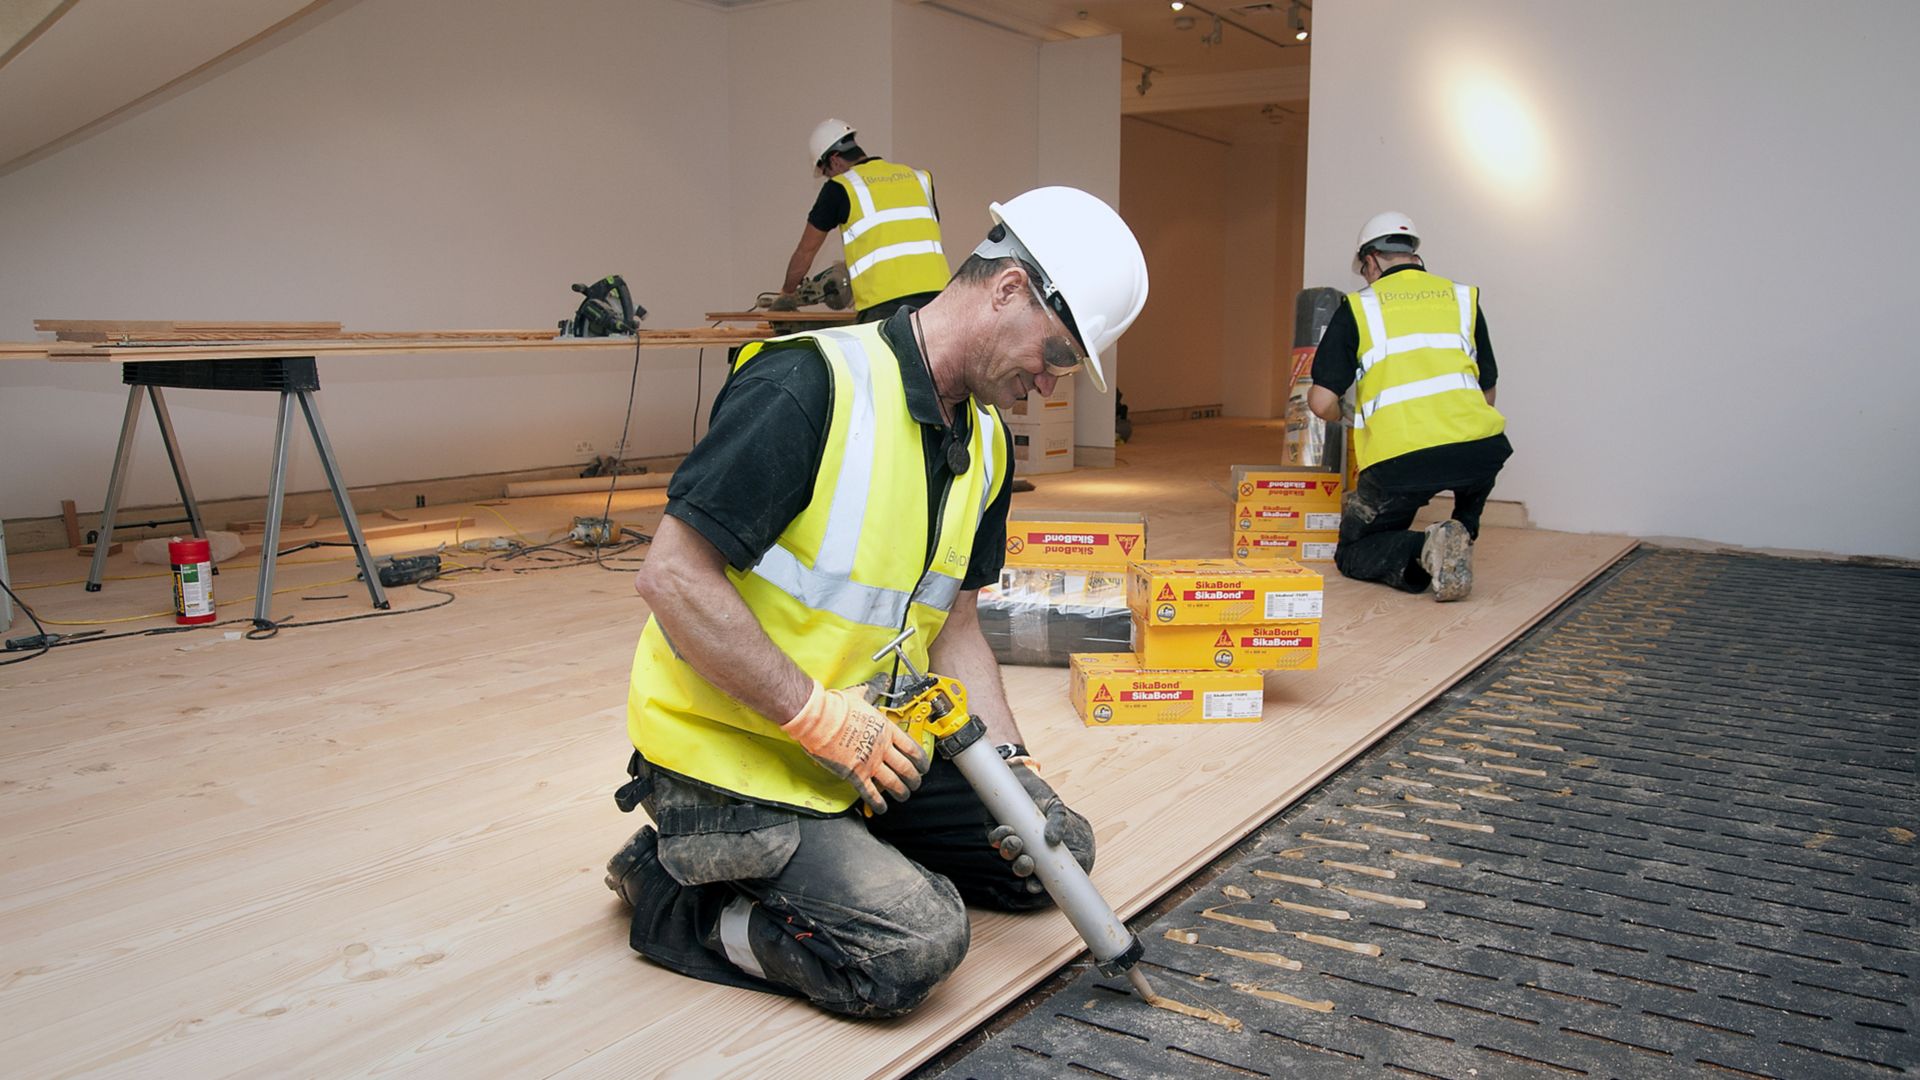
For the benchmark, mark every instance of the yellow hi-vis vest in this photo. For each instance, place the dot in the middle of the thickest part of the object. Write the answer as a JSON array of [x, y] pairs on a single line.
[[892, 238], [1419, 382], [846, 576]]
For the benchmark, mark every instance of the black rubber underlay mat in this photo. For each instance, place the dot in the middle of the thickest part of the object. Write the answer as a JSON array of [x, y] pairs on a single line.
[[1669, 832]]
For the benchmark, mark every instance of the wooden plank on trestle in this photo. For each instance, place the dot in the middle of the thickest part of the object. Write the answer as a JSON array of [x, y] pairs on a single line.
[[824, 318], [105, 330]]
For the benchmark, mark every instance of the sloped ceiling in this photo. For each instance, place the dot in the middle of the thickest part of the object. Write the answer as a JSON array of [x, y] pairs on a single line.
[[67, 66]]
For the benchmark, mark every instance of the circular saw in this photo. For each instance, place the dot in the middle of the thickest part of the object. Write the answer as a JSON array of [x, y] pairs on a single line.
[[832, 287]]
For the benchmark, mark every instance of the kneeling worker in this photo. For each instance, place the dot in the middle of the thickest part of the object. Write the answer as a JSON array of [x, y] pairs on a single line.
[[1424, 420], [888, 221], [853, 482]]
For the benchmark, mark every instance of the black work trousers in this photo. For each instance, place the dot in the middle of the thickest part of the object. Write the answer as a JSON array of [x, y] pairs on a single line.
[[1375, 541], [863, 916]]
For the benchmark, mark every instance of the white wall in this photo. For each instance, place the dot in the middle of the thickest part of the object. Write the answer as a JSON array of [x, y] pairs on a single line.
[[434, 164], [1079, 146], [791, 66], [1680, 216], [985, 152]]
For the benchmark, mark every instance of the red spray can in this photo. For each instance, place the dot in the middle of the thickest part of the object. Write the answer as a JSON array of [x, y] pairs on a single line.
[[192, 561]]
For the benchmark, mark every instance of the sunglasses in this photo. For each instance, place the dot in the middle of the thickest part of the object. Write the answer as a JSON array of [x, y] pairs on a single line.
[[1075, 354]]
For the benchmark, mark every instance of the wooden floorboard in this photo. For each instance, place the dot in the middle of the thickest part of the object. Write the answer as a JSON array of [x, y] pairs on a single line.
[[376, 847]]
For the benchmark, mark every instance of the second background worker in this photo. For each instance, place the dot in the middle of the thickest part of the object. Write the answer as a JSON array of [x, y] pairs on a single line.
[[888, 221]]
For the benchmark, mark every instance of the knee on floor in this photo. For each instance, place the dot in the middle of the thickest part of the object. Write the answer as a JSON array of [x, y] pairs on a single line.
[[897, 981]]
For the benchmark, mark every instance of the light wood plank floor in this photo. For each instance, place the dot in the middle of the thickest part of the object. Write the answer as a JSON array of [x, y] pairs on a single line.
[[376, 847]]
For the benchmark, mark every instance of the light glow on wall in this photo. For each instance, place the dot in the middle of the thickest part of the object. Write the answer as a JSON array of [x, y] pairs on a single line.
[[1502, 138]]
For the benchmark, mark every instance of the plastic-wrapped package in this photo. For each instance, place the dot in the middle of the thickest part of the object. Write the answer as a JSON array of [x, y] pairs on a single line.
[[1040, 617]]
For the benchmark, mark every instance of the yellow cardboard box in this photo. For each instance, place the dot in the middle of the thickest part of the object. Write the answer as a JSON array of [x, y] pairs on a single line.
[[1277, 646], [1296, 489], [1187, 592], [1256, 517], [1111, 688], [1308, 546], [1080, 539]]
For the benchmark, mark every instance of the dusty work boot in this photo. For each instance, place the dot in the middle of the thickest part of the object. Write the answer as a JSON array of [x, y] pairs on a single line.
[[1448, 556], [639, 856]]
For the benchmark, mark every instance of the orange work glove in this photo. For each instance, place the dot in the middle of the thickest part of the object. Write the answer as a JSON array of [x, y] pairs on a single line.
[[840, 730]]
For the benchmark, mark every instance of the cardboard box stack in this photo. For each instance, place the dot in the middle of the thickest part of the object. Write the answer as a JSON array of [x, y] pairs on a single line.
[[1222, 613], [1285, 513], [1042, 430], [1063, 589], [1203, 631]]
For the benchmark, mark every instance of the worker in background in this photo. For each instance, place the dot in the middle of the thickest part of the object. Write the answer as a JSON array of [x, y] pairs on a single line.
[[853, 481], [1423, 416], [889, 227]]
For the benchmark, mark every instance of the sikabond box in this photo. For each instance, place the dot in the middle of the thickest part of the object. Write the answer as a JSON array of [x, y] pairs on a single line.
[[1111, 688]]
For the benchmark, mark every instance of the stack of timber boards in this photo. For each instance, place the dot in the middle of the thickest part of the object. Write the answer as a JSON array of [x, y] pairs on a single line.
[[125, 331], [168, 332]]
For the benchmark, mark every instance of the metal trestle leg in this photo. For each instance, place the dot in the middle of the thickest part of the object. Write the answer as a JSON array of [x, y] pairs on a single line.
[[276, 496]]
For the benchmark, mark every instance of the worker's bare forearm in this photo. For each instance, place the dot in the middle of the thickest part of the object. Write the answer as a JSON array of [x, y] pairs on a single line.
[[685, 584], [961, 652], [802, 259], [796, 269], [1324, 403]]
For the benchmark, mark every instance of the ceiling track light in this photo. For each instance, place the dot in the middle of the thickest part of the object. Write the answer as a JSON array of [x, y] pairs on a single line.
[[1146, 80], [1178, 5], [1297, 23]]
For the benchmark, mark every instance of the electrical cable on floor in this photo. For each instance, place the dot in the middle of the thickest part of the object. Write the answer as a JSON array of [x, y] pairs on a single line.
[[613, 482], [620, 453], [503, 520], [168, 573], [267, 628], [170, 611], [38, 629]]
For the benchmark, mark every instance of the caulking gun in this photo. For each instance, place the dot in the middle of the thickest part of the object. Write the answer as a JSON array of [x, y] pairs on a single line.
[[938, 705]]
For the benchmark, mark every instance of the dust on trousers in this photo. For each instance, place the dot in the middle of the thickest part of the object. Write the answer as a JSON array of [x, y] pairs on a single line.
[[1377, 541], [862, 916]]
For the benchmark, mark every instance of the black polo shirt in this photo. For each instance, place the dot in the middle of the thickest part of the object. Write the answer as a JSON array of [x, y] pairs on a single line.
[[1336, 363], [753, 472]]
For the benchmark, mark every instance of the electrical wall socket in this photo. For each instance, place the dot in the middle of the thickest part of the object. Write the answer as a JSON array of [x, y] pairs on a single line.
[[583, 447]]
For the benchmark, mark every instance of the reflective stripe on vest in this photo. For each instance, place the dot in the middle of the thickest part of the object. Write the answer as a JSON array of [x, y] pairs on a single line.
[[1416, 356], [895, 251], [1394, 395], [842, 578], [1384, 346], [828, 584], [892, 235]]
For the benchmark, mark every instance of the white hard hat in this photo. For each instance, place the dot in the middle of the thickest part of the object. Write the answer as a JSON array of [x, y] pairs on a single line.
[[826, 135], [1389, 231], [1091, 267]]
